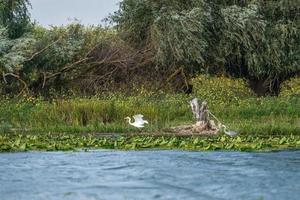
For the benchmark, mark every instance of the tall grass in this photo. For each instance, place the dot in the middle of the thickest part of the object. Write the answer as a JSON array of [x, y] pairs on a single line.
[[91, 114], [262, 116]]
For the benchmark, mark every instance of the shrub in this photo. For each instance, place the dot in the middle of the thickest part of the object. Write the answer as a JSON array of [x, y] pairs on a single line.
[[290, 88], [221, 90]]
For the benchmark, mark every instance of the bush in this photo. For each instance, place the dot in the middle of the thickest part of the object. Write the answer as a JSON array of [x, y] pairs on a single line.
[[87, 59], [220, 90], [290, 88]]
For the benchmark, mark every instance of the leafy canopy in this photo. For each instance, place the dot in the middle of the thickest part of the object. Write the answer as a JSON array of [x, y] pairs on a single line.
[[14, 15], [257, 40]]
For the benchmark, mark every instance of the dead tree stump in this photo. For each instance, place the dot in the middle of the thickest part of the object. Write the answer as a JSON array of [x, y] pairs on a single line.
[[203, 125]]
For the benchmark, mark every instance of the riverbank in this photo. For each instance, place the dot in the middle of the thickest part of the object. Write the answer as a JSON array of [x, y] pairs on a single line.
[[252, 116], [29, 124]]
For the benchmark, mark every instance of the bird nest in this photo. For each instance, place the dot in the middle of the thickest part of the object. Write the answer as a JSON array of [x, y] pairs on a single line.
[[200, 128]]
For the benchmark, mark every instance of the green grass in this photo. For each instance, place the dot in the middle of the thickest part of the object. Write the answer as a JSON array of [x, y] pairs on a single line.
[[91, 115], [263, 116]]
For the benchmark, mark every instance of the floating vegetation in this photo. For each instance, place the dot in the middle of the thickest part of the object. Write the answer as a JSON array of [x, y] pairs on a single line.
[[72, 142]]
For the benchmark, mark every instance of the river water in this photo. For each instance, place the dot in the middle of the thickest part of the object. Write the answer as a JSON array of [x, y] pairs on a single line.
[[120, 175]]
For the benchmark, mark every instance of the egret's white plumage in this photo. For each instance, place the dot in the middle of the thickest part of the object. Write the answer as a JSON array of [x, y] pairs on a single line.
[[139, 122]]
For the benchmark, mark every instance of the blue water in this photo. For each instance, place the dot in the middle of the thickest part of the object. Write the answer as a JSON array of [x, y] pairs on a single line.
[[149, 175]]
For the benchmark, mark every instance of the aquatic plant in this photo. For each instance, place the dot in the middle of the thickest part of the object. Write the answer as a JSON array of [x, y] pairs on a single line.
[[69, 142]]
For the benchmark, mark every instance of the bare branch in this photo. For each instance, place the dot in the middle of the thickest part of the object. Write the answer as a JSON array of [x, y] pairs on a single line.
[[44, 49], [19, 79]]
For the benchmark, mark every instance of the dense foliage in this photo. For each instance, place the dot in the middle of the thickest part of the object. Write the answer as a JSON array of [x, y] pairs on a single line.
[[15, 17], [156, 44], [221, 90], [291, 88], [62, 58], [257, 40]]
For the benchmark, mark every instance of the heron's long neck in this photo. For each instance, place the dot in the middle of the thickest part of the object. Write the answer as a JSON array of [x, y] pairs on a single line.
[[130, 121]]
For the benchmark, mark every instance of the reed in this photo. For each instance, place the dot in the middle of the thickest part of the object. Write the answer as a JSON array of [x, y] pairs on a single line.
[[263, 116]]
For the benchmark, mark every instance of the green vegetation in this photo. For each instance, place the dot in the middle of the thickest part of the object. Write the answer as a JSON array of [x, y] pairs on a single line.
[[257, 40], [291, 88], [253, 116], [15, 17], [221, 89], [70, 123], [150, 42], [67, 142], [60, 82]]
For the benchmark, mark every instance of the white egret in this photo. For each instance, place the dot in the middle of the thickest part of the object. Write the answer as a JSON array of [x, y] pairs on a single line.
[[138, 121]]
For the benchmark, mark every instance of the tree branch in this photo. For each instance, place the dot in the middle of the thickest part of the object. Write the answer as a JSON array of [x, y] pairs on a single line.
[[44, 49], [19, 79]]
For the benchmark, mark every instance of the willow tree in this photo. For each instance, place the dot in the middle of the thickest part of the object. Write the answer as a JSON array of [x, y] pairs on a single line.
[[14, 15], [13, 55], [175, 30], [260, 41], [257, 40]]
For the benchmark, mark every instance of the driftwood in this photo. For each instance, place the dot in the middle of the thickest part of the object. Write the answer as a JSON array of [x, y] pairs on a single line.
[[203, 125]]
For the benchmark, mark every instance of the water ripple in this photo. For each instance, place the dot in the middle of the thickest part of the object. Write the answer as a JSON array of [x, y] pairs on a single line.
[[150, 175]]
